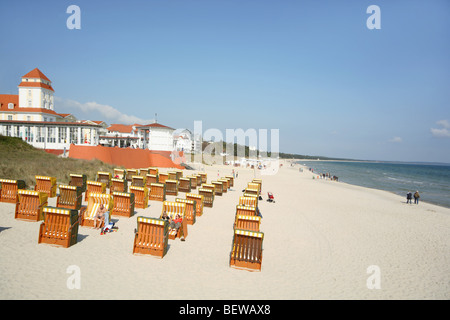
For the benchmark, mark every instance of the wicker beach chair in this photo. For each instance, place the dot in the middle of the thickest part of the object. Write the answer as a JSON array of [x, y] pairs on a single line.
[[171, 187], [118, 185], [246, 250], [172, 209], [104, 177], [123, 204], [246, 210], [30, 205], [78, 180], [208, 197], [94, 187], [198, 198], [191, 207], [141, 196], [193, 180], [60, 227], [250, 200], [88, 213], [131, 173], [218, 188], [151, 237], [138, 181], [9, 188], [120, 173], [151, 178], [163, 177], [157, 192], [250, 223], [46, 184], [184, 185], [69, 197]]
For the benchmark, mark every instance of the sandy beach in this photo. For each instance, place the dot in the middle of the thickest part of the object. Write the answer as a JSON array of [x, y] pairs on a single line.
[[320, 239]]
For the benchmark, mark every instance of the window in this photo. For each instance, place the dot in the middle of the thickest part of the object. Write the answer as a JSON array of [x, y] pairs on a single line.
[[73, 135], [28, 118], [10, 117], [40, 134], [62, 135], [10, 105], [51, 138]]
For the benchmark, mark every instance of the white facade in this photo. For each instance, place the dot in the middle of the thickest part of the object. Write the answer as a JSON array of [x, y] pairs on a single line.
[[156, 137]]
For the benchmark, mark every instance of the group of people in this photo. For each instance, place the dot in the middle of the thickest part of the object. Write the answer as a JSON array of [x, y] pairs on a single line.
[[174, 224], [409, 197]]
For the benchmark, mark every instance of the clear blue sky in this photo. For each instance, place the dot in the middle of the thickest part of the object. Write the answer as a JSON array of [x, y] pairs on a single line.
[[311, 69]]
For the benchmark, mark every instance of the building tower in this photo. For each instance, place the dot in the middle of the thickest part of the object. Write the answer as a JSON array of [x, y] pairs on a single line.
[[35, 91]]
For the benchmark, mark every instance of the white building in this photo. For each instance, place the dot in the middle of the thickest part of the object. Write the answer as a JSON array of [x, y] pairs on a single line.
[[184, 141], [121, 135], [30, 115], [156, 136]]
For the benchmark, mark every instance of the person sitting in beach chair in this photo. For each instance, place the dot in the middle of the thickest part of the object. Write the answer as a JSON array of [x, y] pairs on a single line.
[[100, 217], [175, 224]]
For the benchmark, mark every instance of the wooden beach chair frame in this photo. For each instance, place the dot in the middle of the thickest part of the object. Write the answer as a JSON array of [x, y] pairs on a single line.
[[141, 196], [198, 198], [163, 176], [151, 178], [70, 197], [87, 213], [208, 197], [123, 204], [218, 188], [184, 185], [152, 237], [250, 223], [247, 250], [118, 185], [30, 205], [60, 227], [138, 181], [120, 173], [104, 177], [171, 187], [46, 184], [94, 187], [131, 173], [9, 188], [249, 200], [191, 207], [78, 180], [157, 192]]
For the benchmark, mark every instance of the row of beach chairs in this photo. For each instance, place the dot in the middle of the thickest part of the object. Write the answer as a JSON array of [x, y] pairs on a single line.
[[246, 248]]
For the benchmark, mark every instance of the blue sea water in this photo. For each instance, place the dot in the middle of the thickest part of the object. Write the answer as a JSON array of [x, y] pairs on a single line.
[[432, 181]]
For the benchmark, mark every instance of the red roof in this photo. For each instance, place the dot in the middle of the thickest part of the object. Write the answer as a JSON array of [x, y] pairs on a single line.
[[36, 84], [156, 125], [123, 128], [36, 73], [8, 98]]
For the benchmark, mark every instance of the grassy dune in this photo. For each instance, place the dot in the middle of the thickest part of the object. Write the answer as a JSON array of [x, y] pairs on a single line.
[[21, 161]]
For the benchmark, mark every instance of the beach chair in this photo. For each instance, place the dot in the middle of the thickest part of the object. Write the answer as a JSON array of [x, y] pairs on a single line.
[[172, 175], [218, 188], [104, 177], [151, 178], [251, 201], [246, 210], [120, 173], [30, 205], [199, 180], [118, 185], [143, 171], [270, 197], [9, 188], [138, 181], [152, 237], [246, 250], [94, 186], [69, 197], [253, 185], [258, 181], [78, 180], [208, 186], [224, 183], [193, 181], [157, 192], [172, 209], [153, 170], [88, 213], [131, 173], [198, 198], [123, 204], [250, 223], [251, 192], [208, 197], [46, 184], [163, 177], [60, 227], [184, 185], [191, 208], [204, 176], [179, 174], [171, 187], [231, 180], [141, 196]]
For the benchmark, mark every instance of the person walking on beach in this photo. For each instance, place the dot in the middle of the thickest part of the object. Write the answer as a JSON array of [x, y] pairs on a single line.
[[409, 197], [416, 197]]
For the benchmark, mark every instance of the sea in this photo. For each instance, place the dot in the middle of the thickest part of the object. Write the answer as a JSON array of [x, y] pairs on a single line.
[[431, 180]]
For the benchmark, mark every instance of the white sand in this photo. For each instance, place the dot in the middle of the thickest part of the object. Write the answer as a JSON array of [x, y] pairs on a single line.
[[319, 239]]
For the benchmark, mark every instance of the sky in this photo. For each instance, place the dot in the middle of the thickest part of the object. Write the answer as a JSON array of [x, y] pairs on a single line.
[[312, 70]]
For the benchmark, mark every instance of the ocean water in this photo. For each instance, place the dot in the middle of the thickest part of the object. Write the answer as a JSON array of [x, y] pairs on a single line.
[[432, 181]]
